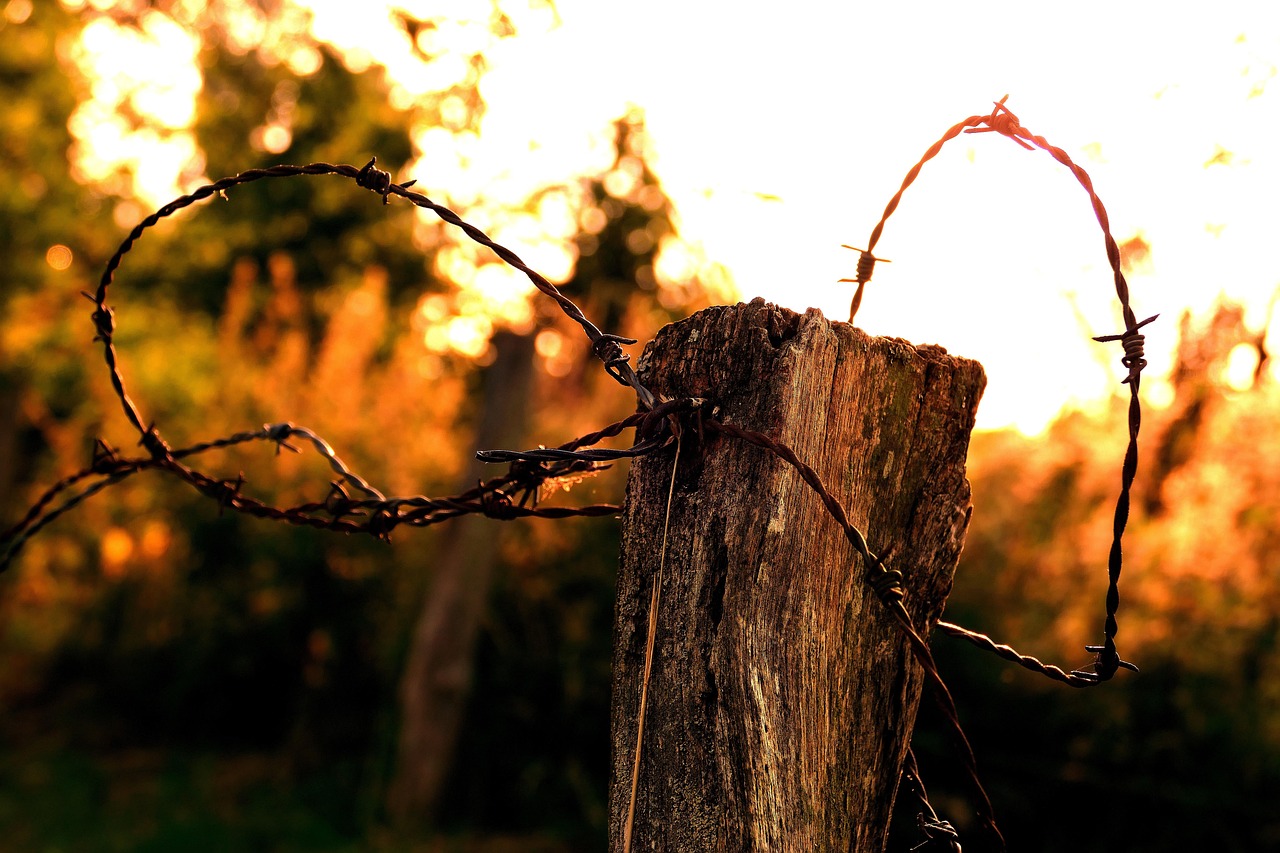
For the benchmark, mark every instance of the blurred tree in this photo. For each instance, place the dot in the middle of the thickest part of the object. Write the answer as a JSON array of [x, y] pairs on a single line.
[[50, 225], [625, 215], [149, 614], [436, 682]]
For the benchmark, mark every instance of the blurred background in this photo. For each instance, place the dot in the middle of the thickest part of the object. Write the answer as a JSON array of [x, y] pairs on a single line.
[[174, 678]]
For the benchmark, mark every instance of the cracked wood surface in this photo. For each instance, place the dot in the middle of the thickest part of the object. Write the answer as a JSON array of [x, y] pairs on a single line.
[[782, 699]]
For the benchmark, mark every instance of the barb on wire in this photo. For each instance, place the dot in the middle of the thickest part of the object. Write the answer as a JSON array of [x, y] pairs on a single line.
[[1003, 121], [866, 266], [1134, 357], [657, 424], [372, 178], [939, 835], [512, 496], [281, 433]]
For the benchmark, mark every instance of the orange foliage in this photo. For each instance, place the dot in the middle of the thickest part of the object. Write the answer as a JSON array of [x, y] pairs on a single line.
[[357, 381], [1201, 579]]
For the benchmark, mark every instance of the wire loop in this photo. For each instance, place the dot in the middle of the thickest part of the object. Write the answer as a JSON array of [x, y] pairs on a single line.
[[657, 425]]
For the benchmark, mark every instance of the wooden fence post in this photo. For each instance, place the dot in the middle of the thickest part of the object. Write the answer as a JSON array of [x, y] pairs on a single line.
[[782, 699]]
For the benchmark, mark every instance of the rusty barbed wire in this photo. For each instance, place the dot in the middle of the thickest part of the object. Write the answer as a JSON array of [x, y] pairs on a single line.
[[1075, 678], [866, 266], [656, 424], [607, 347], [513, 495], [939, 835], [1003, 121], [887, 585], [382, 514]]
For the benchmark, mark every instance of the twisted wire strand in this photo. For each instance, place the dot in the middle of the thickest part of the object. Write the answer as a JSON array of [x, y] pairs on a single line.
[[606, 346], [105, 463], [529, 471], [281, 433], [381, 514], [555, 454], [1075, 678], [1003, 121], [937, 832], [220, 443], [655, 429], [38, 518], [887, 584], [1108, 661], [43, 501], [866, 259]]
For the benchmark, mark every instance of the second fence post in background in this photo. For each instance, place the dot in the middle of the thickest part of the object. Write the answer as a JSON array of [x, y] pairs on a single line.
[[782, 698]]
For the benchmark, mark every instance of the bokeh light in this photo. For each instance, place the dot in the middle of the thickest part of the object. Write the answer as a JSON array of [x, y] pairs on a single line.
[[59, 257], [132, 133], [17, 11]]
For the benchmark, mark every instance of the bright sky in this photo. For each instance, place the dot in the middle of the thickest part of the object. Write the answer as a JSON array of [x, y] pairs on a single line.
[[781, 136], [828, 107]]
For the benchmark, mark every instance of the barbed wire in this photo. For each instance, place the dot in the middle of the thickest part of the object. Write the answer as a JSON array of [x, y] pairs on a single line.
[[513, 495], [939, 835], [1107, 660], [657, 423], [886, 583], [1003, 121]]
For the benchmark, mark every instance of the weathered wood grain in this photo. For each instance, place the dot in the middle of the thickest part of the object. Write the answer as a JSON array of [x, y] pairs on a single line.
[[782, 700]]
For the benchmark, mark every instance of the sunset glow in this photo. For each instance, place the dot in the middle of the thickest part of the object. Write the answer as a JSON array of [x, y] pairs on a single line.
[[149, 71], [780, 138]]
